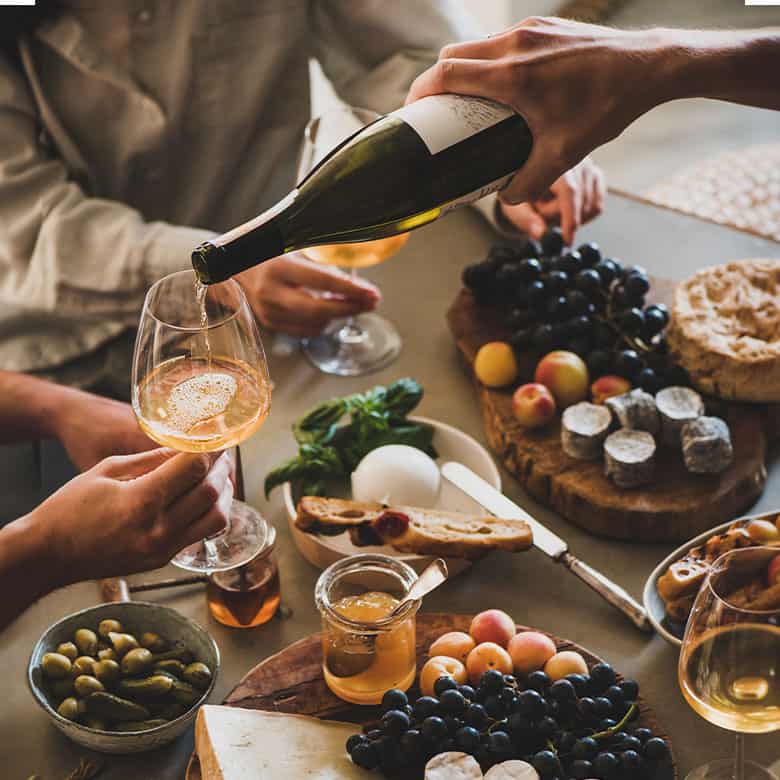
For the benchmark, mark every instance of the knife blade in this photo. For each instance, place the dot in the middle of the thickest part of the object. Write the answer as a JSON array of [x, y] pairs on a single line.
[[549, 543]]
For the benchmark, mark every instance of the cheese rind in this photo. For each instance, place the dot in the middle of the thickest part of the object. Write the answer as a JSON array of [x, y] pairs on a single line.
[[235, 744]]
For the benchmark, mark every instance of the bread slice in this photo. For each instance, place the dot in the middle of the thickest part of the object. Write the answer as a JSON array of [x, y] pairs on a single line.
[[413, 530]]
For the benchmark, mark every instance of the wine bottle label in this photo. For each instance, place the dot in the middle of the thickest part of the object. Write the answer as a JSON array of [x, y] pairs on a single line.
[[470, 197], [444, 120]]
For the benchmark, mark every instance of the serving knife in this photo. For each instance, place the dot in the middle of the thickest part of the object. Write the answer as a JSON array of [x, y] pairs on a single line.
[[545, 540]]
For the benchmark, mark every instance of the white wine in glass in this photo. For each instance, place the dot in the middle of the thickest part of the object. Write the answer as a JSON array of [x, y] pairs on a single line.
[[201, 384], [729, 668]]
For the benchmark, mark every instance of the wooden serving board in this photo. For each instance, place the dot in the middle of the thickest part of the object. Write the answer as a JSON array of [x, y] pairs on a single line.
[[675, 507], [292, 681]]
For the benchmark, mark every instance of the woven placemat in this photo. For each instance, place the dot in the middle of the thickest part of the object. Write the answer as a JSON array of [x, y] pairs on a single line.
[[738, 189]]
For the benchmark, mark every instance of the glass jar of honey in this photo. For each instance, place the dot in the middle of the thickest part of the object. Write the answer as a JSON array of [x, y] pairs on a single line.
[[365, 650], [248, 595]]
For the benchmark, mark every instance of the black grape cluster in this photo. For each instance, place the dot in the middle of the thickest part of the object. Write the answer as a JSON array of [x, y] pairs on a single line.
[[555, 297], [574, 728]]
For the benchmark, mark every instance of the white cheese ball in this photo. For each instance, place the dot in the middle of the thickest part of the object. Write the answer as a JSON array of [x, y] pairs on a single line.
[[397, 474]]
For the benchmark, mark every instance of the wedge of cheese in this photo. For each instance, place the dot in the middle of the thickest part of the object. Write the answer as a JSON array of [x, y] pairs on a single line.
[[236, 744]]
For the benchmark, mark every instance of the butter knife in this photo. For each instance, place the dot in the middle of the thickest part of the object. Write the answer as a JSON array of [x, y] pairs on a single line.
[[545, 540]]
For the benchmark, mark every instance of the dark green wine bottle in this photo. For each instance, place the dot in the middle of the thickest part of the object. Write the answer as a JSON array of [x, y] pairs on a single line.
[[402, 171]]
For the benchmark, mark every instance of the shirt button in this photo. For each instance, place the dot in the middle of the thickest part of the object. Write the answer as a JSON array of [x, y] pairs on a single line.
[[144, 16]]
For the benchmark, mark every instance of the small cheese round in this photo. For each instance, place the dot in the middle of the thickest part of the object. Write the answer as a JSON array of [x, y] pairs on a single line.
[[583, 428], [677, 406], [629, 457], [706, 445]]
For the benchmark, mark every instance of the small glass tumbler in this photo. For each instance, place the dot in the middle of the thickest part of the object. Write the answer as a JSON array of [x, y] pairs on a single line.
[[365, 651]]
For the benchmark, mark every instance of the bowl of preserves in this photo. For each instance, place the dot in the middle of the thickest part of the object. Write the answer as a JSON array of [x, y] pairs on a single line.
[[123, 677]]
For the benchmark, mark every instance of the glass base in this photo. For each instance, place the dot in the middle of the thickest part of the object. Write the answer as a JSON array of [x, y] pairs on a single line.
[[243, 539], [367, 344], [723, 769]]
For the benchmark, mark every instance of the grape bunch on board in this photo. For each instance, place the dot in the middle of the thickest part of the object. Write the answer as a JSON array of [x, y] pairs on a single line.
[[556, 297]]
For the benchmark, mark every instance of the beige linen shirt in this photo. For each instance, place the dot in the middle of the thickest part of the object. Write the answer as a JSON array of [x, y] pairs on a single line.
[[131, 130]]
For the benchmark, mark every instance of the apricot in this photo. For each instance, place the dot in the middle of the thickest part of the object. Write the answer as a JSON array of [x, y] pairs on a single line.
[[607, 387], [485, 656], [763, 531], [492, 625], [495, 364], [530, 651], [440, 666], [453, 644], [565, 662], [565, 375], [533, 405]]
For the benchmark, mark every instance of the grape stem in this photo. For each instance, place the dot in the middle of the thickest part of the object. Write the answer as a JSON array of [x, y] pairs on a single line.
[[618, 726]]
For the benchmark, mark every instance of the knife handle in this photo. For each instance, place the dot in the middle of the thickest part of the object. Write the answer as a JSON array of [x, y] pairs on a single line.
[[609, 591]]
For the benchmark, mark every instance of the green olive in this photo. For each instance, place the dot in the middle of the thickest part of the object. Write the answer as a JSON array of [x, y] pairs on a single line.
[[84, 685], [69, 708], [198, 674], [137, 661], [122, 643], [107, 671], [108, 626], [61, 689], [55, 665], [69, 650], [153, 642], [86, 641], [95, 723], [108, 654], [83, 665]]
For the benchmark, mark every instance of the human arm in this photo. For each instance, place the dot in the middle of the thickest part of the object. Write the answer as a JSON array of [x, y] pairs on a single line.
[[611, 78], [127, 514]]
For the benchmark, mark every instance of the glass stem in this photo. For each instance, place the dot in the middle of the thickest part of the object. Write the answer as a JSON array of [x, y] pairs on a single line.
[[351, 332], [739, 758]]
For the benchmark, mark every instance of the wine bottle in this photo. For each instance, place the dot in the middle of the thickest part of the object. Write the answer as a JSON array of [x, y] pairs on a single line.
[[402, 171]]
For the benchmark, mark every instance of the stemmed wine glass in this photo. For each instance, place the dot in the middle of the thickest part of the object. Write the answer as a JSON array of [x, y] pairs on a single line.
[[729, 667], [367, 342], [200, 384]]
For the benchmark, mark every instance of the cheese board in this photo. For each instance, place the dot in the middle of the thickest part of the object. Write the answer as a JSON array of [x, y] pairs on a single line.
[[291, 681], [675, 506]]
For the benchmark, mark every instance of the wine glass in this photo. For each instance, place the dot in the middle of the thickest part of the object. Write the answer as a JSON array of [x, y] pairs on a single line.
[[200, 384], [729, 667], [367, 342]]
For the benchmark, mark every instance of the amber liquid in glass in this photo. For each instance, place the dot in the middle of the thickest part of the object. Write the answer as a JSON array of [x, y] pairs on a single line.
[[245, 597], [358, 255]]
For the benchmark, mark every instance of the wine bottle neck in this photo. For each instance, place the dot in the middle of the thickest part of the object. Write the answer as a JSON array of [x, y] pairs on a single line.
[[256, 241]]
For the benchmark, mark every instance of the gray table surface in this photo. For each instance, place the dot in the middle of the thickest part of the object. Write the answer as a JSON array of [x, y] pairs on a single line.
[[418, 287]]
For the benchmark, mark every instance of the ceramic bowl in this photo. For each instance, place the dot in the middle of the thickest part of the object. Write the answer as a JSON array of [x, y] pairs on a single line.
[[135, 616]]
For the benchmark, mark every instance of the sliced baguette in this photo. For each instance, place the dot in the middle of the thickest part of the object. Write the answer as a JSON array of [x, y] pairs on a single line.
[[428, 531]]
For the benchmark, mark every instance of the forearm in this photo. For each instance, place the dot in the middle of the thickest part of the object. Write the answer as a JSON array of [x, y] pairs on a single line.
[[29, 407], [26, 572], [736, 66]]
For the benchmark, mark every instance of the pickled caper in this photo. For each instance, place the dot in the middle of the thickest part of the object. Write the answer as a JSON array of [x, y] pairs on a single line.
[[178, 651], [69, 650], [137, 661], [107, 671], [85, 684], [86, 641], [61, 689], [172, 666], [114, 708], [153, 642], [108, 654], [184, 693], [69, 708], [122, 643], [198, 674], [55, 665], [95, 723], [83, 665], [146, 688], [108, 626]]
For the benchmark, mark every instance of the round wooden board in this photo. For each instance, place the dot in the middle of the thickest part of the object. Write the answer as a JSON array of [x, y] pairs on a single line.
[[292, 681], [675, 507]]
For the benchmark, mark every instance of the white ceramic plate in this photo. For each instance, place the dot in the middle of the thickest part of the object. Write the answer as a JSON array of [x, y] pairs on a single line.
[[654, 604], [451, 444]]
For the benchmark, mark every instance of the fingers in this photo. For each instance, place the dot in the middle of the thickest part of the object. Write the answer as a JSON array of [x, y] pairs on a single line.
[[525, 218], [127, 467], [304, 273], [199, 501], [570, 201], [596, 188], [213, 522], [462, 76], [179, 474]]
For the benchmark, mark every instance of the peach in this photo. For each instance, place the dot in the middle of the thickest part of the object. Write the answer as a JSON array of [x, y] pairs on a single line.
[[453, 644], [495, 364], [440, 666], [565, 375], [773, 574], [607, 387], [492, 625], [533, 405], [530, 651], [763, 531], [563, 663], [485, 656]]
